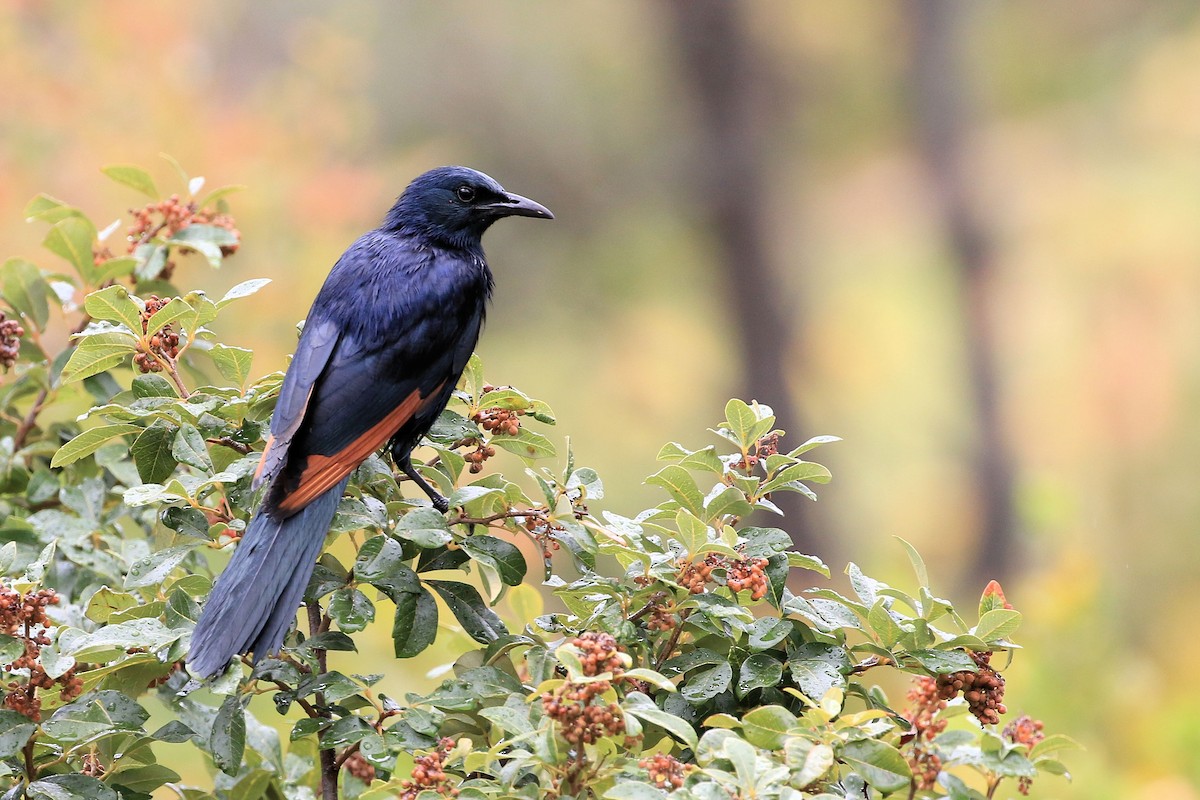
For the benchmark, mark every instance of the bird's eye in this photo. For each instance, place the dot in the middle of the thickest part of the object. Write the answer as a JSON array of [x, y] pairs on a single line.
[[465, 193]]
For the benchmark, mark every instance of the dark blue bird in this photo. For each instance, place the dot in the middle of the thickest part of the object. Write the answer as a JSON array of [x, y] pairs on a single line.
[[384, 344]]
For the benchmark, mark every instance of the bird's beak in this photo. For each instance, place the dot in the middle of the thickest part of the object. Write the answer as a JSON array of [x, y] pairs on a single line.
[[516, 206]]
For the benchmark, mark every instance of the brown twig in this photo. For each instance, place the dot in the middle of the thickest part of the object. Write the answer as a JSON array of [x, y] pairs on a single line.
[[665, 653], [225, 441], [329, 764], [463, 519], [31, 418]]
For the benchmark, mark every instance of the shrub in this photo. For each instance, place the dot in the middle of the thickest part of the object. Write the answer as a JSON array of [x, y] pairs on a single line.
[[687, 657]]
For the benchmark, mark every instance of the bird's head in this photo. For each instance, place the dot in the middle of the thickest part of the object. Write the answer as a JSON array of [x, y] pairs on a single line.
[[457, 204]]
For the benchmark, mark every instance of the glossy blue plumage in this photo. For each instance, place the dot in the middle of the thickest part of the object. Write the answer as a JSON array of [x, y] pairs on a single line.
[[383, 346]]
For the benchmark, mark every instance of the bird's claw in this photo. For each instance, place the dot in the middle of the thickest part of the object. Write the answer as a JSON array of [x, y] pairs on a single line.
[[440, 503]]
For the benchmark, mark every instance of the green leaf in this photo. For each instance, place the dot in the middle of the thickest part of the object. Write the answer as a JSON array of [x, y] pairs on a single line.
[[707, 683], [232, 362], [114, 304], [726, 501], [479, 621], [243, 289], [692, 533], [134, 177], [883, 625], [98, 353], [15, 730], [89, 441], [918, 563], [105, 602], [759, 671], [151, 452], [634, 790], [943, 662], [351, 609], [153, 569], [816, 668], [1054, 743], [151, 385], [27, 291], [72, 238], [741, 420], [880, 764], [145, 778], [415, 625], [803, 471], [997, 624], [811, 563], [642, 707], [767, 726], [767, 632], [680, 484], [527, 444], [175, 309], [809, 761], [206, 240], [48, 209], [189, 448], [502, 556], [381, 563], [228, 740], [70, 786]]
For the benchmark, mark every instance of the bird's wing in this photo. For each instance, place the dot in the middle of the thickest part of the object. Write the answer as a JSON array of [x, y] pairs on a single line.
[[368, 391], [316, 345]]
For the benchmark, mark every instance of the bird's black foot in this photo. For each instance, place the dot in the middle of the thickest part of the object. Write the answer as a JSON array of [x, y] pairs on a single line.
[[439, 502]]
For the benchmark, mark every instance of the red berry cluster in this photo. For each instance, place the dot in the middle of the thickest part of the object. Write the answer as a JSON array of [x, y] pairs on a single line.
[[666, 772], [498, 420], [1027, 731], [476, 457], [694, 577], [172, 215], [429, 774], [360, 768], [664, 616], [766, 446], [24, 616], [741, 574], [164, 343], [983, 690], [750, 574], [927, 704], [543, 531], [10, 340], [573, 704]]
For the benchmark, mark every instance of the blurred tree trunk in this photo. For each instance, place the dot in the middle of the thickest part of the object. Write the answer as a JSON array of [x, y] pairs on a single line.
[[941, 89], [729, 79]]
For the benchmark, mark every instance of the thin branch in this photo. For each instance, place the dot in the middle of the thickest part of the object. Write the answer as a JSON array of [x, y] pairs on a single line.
[[225, 441], [463, 519], [329, 765], [665, 653]]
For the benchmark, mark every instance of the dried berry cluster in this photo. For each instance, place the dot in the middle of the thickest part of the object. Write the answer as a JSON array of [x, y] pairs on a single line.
[[24, 616], [499, 420], [429, 774], [92, 765], [360, 768], [983, 690], [10, 340], [666, 772], [172, 215], [766, 446], [1027, 731], [164, 342], [927, 702], [576, 706], [741, 574]]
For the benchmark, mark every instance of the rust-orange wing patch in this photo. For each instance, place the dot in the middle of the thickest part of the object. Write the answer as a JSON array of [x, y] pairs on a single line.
[[323, 472]]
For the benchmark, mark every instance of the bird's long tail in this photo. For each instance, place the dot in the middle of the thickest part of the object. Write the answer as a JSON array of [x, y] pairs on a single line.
[[255, 600]]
